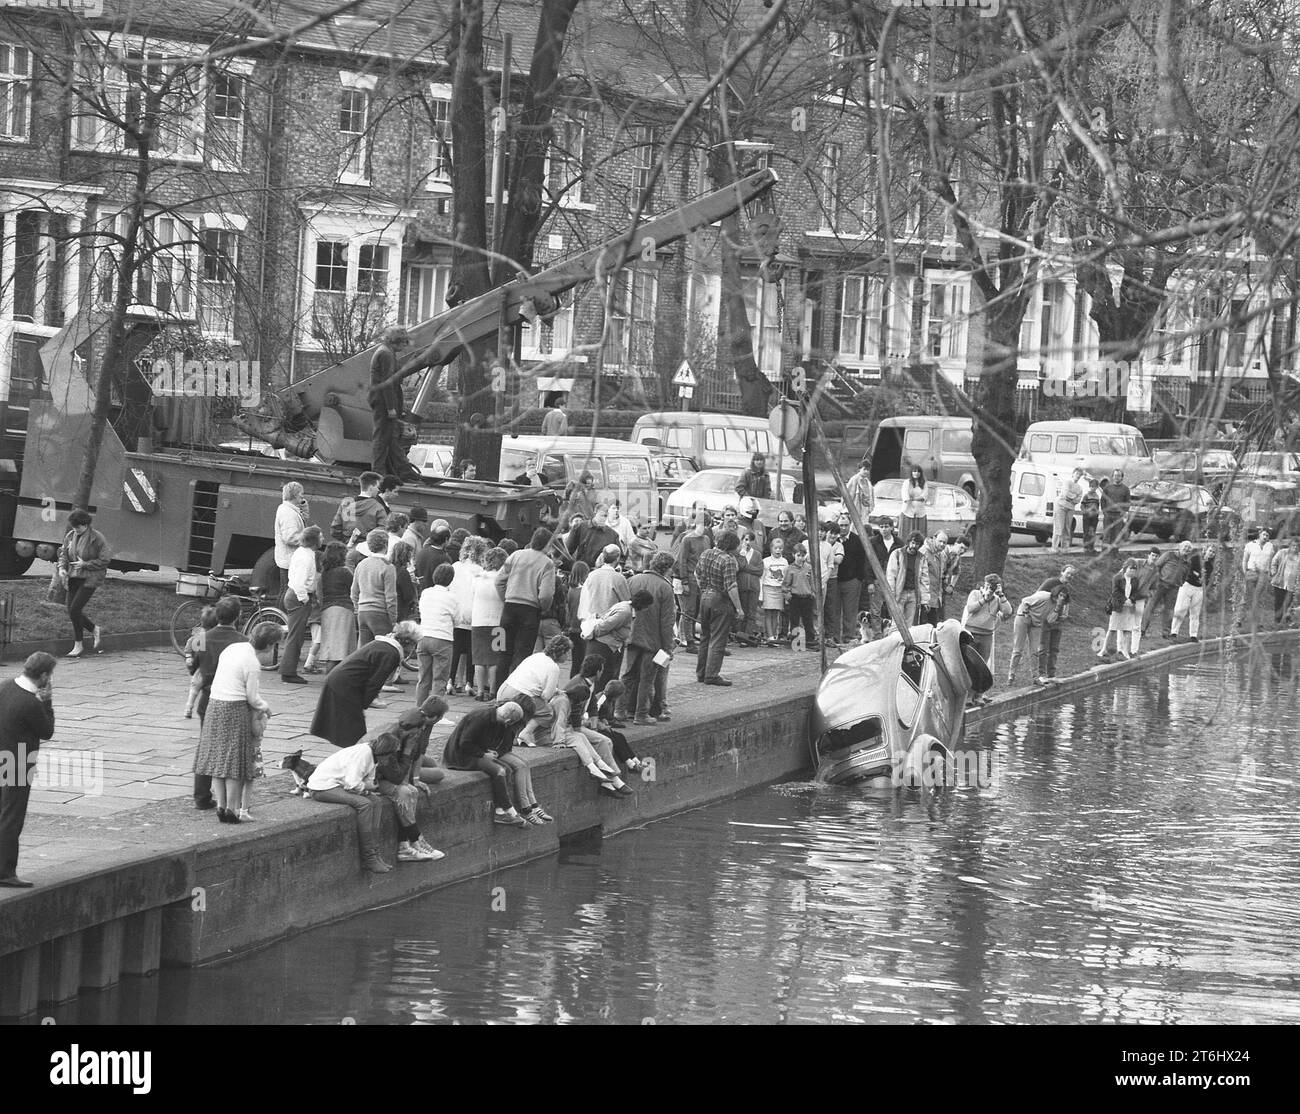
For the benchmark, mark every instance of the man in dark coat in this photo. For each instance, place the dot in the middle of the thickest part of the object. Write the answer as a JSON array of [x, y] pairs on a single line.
[[387, 456], [589, 540], [352, 685], [26, 718], [756, 481], [432, 554], [205, 665], [652, 632]]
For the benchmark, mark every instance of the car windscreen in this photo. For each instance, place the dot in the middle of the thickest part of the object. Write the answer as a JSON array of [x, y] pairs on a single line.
[[888, 490]]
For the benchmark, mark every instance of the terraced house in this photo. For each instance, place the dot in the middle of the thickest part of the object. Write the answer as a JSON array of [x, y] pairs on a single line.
[[297, 170]]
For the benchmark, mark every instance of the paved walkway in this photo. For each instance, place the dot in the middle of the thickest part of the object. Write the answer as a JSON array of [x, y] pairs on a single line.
[[121, 739]]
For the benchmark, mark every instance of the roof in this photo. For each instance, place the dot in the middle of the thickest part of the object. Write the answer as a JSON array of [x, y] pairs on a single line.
[[926, 420], [1082, 425], [572, 444]]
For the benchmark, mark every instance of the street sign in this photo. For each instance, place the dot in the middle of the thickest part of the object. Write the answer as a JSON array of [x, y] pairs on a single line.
[[784, 422], [685, 377]]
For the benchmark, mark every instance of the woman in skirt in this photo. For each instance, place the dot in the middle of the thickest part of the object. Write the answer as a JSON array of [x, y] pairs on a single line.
[[913, 515], [228, 745], [338, 621], [1122, 605], [485, 625]]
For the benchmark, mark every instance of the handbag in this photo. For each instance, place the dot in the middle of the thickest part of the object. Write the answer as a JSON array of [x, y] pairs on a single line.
[[56, 595]]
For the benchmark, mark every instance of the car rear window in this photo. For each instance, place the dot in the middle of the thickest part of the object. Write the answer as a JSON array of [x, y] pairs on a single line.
[[1067, 443], [592, 464], [627, 471], [1031, 483]]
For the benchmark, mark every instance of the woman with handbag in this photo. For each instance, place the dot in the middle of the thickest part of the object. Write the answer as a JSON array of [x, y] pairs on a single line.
[[83, 564]]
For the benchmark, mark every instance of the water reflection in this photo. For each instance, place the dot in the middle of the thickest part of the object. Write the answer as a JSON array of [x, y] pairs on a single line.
[[1131, 860]]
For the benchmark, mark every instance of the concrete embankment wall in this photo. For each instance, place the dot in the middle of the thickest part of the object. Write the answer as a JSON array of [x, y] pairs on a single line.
[[197, 891], [187, 902]]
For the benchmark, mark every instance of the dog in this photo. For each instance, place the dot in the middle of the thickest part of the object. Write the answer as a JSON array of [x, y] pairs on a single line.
[[301, 770]]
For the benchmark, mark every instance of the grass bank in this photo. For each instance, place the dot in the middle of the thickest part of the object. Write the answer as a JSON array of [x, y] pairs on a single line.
[[120, 606]]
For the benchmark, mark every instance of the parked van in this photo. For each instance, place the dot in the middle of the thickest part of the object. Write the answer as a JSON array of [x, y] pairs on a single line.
[[1096, 447], [1033, 501], [622, 470], [713, 440], [939, 446]]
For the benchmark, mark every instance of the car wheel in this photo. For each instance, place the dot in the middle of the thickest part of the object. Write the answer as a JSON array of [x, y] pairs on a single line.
[[1042, 539]]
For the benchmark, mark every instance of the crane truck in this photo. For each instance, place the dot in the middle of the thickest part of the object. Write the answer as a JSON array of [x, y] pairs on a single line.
[[199, 510]]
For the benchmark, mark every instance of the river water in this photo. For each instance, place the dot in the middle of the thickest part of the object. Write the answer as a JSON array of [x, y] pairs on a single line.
[[1124, 857]]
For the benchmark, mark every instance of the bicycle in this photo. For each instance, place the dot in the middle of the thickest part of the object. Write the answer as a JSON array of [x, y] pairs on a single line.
[[253, 609]]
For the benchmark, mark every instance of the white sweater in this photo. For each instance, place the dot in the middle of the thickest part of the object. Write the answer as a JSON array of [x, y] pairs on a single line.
[[238, 676], [437, 613], [349, 768]]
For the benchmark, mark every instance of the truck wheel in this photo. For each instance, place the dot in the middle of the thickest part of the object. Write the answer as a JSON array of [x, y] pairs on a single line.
[[10, 563]]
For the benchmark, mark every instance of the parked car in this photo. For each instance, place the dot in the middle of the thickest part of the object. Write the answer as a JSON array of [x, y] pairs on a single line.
[[1271, 503], [948, 507], [431, 460], [1171, 510], [1271, 466], [671, 470], [715, 488], [1203, 467]]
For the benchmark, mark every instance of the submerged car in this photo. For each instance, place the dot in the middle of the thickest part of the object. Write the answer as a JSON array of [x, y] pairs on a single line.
[[893, 714]]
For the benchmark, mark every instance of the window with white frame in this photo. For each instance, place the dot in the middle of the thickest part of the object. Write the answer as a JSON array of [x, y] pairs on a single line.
[[566, 158], [440, 153], [630, 325], [946, 317], [329, 303], [15, 91], [828, 187], [354, 122], [219, 259], [548, 340], [118, 94], [644, 141], [875, 319], [225, 136], [838, 50], [372, 283], [763, 305], [166, 263], [1173, 334], [426, 291]]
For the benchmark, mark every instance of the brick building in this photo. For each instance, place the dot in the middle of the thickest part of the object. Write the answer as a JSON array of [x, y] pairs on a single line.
[[299, 197]]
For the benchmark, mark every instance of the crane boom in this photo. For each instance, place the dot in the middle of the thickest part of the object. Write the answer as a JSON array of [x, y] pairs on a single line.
[[336, 399]]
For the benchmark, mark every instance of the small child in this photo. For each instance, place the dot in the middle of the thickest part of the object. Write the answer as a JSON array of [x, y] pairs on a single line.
[[798, 594], [774, 590], [193, 648], [603, 713]]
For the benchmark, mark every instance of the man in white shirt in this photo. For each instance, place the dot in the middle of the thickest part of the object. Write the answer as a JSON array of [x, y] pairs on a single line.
[[604, 587], [297, 602], [347, 777], [290, 521], [1256, 561]]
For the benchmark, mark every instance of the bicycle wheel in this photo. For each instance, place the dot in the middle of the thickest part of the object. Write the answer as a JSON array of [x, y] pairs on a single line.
[[184, 619], [270, 658]]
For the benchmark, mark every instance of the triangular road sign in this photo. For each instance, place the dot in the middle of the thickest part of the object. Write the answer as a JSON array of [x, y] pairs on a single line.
[[685, 377]]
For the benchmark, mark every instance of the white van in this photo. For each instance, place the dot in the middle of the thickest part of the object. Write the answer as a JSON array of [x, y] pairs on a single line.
[[713, 440], [1097, 447], [1033, 500], [622, 470]]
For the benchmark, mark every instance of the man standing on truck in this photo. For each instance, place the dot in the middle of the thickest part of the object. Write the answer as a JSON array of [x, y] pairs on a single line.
[[387, 406], [756, 481]]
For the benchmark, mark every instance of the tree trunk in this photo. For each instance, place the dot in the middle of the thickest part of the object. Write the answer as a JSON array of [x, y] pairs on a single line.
[[994, 439], [526, 188], [115, 353], [469, 267]]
